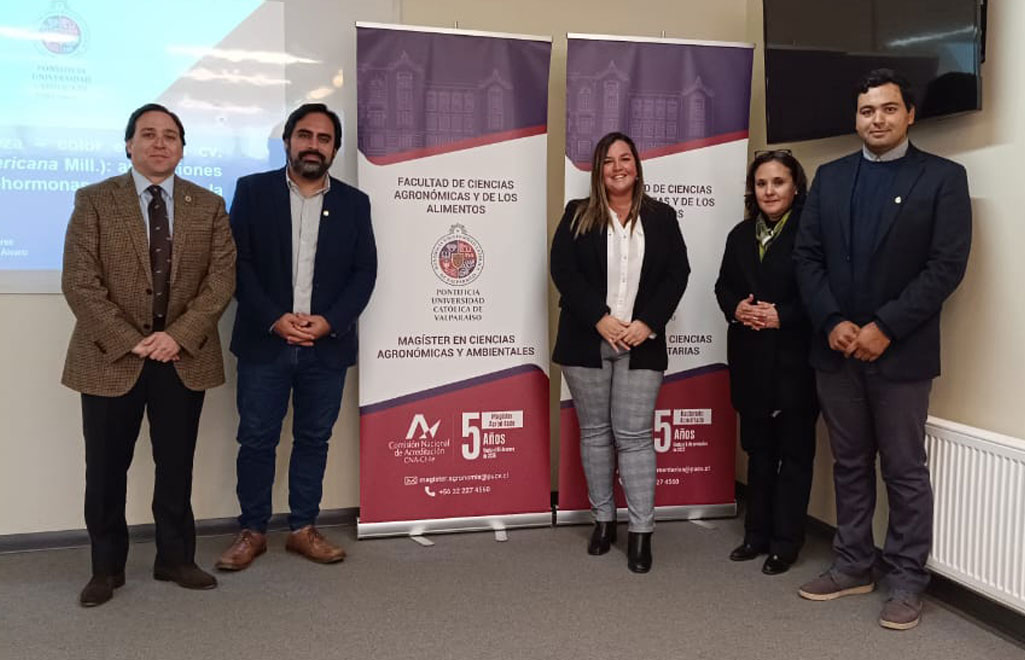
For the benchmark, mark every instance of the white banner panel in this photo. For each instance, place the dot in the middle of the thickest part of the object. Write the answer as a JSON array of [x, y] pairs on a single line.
[[454, 345]]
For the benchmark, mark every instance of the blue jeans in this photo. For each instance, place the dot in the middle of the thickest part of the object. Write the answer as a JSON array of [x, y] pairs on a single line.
[[263, 391]]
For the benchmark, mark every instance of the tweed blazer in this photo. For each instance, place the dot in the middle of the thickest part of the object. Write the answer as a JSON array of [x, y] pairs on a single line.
[[108, 284]]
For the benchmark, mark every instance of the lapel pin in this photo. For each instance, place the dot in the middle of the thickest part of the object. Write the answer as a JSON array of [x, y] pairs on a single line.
[[897, 199], [326, 213]]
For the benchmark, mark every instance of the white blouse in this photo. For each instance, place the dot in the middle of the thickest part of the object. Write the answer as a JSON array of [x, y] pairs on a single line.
[[625, 251]]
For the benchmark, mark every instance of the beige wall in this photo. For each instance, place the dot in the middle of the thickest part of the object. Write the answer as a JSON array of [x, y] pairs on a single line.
[[983, 348]]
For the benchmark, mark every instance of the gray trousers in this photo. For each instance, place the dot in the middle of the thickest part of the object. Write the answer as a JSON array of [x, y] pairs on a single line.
[[868, 415], [615, 407]]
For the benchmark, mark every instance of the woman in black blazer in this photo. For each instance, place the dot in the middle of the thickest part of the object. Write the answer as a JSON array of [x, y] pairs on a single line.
[[771, 383], [620, 265]]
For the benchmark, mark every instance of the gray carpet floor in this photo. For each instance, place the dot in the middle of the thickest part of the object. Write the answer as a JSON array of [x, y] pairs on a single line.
[[537, 595]]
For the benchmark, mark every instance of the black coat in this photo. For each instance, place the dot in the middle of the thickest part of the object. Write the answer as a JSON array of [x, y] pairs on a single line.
[[344, 269], [580, 270], [769, 368], [920, 254]]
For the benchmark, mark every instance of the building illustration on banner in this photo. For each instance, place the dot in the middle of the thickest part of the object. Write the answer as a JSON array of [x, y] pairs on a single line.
[[401, 108], [602, 102]]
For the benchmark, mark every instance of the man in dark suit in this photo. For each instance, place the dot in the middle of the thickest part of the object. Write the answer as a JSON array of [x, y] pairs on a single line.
[[307, 264], [149, 266], [883, 241]]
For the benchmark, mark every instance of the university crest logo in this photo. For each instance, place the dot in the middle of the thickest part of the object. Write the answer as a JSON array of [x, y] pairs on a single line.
[[457, 258], [63, 32]]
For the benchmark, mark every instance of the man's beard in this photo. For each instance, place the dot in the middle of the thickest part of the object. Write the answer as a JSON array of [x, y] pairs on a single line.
[[309, 169]]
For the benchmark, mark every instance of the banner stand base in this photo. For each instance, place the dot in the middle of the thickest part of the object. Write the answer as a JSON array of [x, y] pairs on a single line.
[[688, 512], [449, 525]]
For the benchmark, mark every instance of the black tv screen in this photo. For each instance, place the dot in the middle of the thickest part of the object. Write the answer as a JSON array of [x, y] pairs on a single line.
[[816, 51]]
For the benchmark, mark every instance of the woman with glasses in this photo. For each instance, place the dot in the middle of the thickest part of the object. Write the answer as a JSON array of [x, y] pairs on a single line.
[[772, 385], [620, 265]]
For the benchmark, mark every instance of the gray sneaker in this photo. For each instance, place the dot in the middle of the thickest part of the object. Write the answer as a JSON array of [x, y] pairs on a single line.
[[901, 611], [833, 584]]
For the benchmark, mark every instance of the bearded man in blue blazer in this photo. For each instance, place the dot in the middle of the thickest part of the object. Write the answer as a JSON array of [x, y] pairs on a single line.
[[883, 241], [307, 265]]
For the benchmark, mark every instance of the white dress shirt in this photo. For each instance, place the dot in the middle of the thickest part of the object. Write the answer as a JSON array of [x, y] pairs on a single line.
[[306, 214], [625, 251]]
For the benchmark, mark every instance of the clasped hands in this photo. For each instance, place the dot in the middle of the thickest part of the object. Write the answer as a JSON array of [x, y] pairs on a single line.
[[301, 329], [620, 334], [756, 315], [158, 346], [864, 343]]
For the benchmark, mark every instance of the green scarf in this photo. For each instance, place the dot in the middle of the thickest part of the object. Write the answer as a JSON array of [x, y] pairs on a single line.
[[766, 234]]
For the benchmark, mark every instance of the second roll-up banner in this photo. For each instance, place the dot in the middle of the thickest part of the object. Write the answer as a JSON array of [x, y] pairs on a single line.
[[686, 106], [454, 422]]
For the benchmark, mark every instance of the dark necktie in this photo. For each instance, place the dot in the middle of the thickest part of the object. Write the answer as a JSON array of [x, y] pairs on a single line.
[[159, 255]]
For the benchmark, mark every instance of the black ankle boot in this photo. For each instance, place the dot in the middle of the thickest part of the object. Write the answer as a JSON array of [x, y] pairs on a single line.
[[638, 553], [602, 538]]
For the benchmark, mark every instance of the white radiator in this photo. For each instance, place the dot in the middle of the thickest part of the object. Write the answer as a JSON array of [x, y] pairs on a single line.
[[979, 532]]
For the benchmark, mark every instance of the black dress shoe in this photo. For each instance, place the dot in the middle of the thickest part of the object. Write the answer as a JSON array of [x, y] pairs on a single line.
[[638, 552], [746, 552], [602, 538], [775, 564], [100, 589], [189, 576]]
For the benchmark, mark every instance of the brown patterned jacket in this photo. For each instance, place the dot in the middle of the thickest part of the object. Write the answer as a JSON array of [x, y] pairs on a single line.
[[108, 285]]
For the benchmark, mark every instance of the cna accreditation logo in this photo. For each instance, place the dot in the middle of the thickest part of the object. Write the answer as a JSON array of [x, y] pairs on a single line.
[[457, 257], [61, 31]]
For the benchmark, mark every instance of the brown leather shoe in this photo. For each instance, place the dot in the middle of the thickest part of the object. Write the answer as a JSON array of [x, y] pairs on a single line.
[[310, 543], [247, 546]]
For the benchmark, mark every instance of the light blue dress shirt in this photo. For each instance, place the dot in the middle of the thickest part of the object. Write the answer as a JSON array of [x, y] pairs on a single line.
[[167, 185]]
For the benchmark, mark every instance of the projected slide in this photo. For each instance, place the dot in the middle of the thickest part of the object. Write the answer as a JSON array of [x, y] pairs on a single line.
[[72, 71]]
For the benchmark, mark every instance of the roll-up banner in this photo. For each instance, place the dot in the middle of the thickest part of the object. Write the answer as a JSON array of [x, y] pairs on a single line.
[[686, 105], [453, 353]]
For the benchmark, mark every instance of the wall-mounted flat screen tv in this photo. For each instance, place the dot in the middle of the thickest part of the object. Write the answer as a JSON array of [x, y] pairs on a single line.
[[817, 50]]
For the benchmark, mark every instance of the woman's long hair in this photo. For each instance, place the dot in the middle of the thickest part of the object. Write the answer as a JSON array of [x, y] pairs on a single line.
[[787, 160], [595, 214]]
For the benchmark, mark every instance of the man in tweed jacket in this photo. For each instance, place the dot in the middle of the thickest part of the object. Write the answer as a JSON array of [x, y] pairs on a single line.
[[149, 266]]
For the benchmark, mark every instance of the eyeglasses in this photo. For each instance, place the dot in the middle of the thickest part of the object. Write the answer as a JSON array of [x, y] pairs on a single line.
[[773, 152]]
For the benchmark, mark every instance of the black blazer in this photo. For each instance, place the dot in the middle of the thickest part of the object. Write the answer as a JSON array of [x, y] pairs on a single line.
[[921, 251], [344, 270], [769, 368], [580, 270]]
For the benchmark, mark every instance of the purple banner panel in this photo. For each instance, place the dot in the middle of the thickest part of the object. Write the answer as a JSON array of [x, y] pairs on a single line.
[[423, 93], [668, 97]]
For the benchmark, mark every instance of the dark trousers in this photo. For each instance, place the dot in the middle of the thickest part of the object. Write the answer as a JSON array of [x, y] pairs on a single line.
[[781, 455], [111, 427], [869, 415], [263, 391]]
